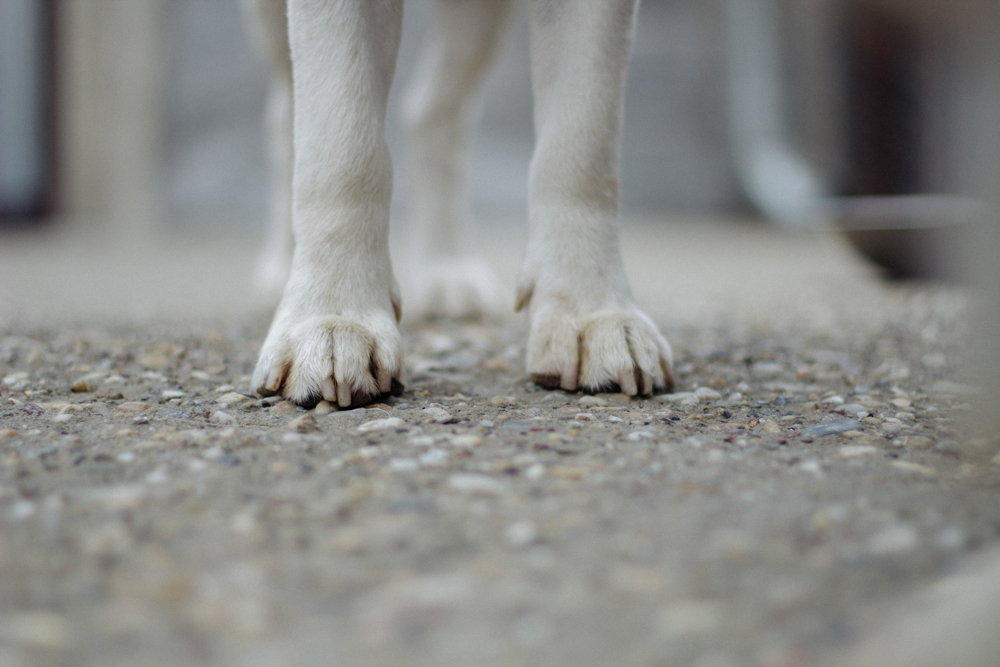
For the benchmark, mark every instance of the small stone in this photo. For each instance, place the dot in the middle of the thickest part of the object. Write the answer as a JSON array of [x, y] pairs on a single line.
[[132, 407], [62, 417], [475, 484], [501, 401], [707, 394], [465, 440], [584, 417], [521, 534], [304, 424], [855, 451], [434, 457], [734, 397], [835, 427], [403, 465], [126, 457], [770, 428], [172, 393], [593, 401], [111, 396], [223, 418], [917, 442], [437, 415], [284, 407], [391, 423], [232, 398], [82, 385], [852, 409], [916, 468], [8, 433], [833, 400], [900, 402], [323, 408], [535, 472], [569, 472]]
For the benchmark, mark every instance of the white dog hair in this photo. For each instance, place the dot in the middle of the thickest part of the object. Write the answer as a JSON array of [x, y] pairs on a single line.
[[334, 335]]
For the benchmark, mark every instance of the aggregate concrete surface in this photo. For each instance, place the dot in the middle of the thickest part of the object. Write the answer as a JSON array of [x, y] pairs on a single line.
[[811, 471]]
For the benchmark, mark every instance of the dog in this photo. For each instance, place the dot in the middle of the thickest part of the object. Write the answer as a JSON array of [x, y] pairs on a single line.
[[334, 335]]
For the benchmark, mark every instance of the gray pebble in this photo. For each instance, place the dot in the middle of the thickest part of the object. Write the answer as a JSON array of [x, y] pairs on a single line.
[[833, 427]]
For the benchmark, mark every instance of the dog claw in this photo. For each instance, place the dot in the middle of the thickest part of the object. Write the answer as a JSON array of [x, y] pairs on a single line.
[[384, 380], [626, 380], [329, 390]]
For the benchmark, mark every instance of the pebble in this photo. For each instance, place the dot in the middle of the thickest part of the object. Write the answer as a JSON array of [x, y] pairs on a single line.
[[437, 415], [852, 409], [223, 418], [434, 457], [82, 385], [390, 423], [8, 433], [770, 428], [283, 407], [304, 424], [465, 440], [475, 484], [132, 407], [232, 398], [521, 534], [584, 417], [111, 396], [403, 465], [855, 451], [917, 468], [835, 427], [172, 393], [323, 408], [833, 400], [707, 394], [596, 401], [917, 442]]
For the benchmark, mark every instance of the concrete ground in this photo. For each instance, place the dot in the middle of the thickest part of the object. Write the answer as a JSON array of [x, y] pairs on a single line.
[[808, 486]]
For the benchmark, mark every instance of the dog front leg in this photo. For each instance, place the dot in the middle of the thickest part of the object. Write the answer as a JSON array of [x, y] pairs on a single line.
[[334, 335], [586, 331]]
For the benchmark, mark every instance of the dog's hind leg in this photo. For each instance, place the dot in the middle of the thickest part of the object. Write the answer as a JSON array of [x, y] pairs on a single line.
[[334, 335], [586, 332], [269, 21], [441, 109]]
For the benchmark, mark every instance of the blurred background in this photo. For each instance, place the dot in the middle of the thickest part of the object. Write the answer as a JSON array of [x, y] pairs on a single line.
[[149, 112]]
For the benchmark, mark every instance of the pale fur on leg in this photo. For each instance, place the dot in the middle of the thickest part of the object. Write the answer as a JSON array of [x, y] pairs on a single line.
[[334, 335], [586, 331], [440, 110]]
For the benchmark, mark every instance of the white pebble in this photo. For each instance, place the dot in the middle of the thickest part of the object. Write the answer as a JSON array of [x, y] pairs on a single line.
[[584, 417], [521, 533], [593, 400], [437, 415], [613, 419], [126, 457], [225, 419], [833, 400], [22, 509], [434, 457], [636, 436], [535, 471], [707, 394], [383, 425], [403, 465], [475, 484], [465, 440], [172, 393]]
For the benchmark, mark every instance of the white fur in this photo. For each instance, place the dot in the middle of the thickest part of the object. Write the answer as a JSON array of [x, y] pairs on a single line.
[[334, 335]]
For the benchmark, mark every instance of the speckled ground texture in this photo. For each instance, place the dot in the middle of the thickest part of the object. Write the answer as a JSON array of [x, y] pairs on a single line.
[[812, 468]]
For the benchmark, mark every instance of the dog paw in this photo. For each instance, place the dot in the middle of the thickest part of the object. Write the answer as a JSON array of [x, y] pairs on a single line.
[[604, 350], [456, 288], [346, 361]]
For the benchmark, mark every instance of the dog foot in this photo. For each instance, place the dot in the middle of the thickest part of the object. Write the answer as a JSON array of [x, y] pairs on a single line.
[[456, 288], [348, 361], [605, 350]]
